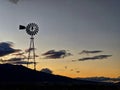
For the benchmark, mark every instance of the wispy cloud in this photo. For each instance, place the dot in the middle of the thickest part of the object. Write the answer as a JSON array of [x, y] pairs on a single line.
[[22, 62], [19, 54], [7, 48], [17, 61], [14, 1], [77, 71], [52, 54], [90, 52], [102, 79], [14, 59], [29, 49], [11, 60], [95, 57]]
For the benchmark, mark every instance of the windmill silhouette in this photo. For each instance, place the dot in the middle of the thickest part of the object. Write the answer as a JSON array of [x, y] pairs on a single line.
[[31, 29]]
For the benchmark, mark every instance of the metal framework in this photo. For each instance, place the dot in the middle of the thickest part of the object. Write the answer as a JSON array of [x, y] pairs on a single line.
[[31, 29]]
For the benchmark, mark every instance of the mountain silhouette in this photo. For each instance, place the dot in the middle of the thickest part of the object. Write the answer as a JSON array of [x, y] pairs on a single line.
[[18, 77], [19, 74]]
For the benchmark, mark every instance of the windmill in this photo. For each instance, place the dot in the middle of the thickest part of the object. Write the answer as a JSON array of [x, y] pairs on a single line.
[[31, 29]]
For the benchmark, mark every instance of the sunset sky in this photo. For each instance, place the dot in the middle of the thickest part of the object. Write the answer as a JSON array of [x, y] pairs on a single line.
[[70, 25]]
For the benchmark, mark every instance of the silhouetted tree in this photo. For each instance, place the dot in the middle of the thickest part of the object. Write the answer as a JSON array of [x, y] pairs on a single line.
[[47, 70]]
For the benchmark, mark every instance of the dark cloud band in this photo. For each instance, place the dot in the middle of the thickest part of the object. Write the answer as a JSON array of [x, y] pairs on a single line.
[[7, 48], [95, 57], [14, 1], [90, 52], [52, 54]]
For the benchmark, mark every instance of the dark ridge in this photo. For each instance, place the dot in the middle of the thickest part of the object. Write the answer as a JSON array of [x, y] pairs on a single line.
[[20, 74], [18, 77]]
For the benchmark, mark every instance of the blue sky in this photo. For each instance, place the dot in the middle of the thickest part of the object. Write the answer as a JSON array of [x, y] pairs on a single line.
[[73, 25]]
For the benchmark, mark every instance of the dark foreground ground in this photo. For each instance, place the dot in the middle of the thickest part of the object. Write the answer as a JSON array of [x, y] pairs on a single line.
[[57, 87], [17, 77]]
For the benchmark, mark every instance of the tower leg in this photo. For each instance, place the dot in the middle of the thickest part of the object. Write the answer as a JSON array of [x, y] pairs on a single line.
[[32, 47], [29, 51]]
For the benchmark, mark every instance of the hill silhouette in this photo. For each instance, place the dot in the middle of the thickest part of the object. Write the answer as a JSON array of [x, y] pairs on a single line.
[[20, 77], [19, 74]]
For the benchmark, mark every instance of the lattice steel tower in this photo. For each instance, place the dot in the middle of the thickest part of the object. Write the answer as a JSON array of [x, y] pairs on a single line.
[[31, 29]]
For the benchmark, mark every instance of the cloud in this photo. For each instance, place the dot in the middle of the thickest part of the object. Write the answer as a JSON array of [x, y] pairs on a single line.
[[17, 61], [52, 54], [66, 67], [36, 55], [47, 70], [102, 79], [7, 48], [90, 52], [14, 1], [74, 60], [77, 71], [95, 57], [22, 62], [29, 49], [19, 54], [14, 59], [22, 54]]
